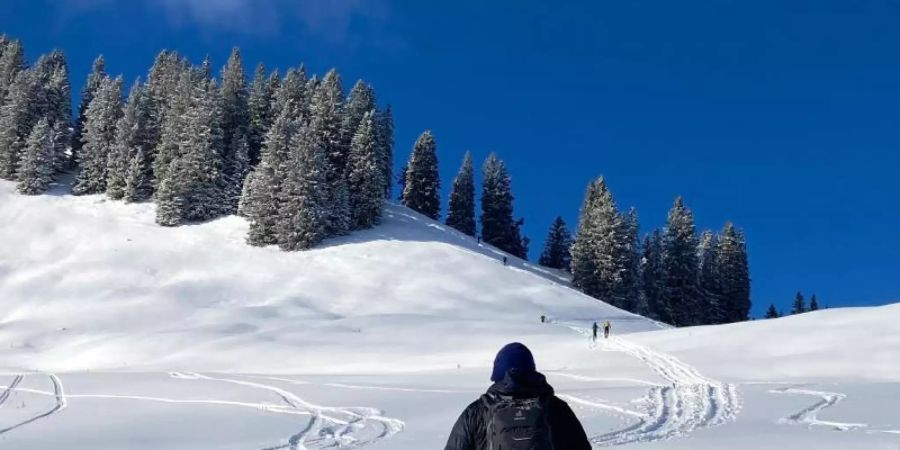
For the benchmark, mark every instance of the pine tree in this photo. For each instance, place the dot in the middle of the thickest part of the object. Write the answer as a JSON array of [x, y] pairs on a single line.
[[360, 102], [163, 84], [772, 313], [799, 306], [598, 260], [291, 95], [734, 274], [91, 86], [813, 303], [628, 256], [175, 106], [235, 129], [461, 211], [421, 190], [193, 188], [99, 137], [260, 101], [385, 127], [261, 197], [498, 227], [364, 171], [681, 289], [54, 102], [327, 110], [12, 61], [304, 194], [37, 167], [712, 310], [557, 248], [653, 274], [16, 121], [129, 168]]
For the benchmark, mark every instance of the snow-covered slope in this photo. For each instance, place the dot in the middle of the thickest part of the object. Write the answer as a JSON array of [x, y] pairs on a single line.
[[93, 284], [119, 334]]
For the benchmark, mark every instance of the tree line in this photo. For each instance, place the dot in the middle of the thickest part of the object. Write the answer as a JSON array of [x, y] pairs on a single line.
[[303, 161], [673, 275], [294, 154], [799, 306]]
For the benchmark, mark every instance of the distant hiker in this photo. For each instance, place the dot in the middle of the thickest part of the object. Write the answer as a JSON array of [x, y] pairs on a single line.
[[543, 318], [518, 412], [504, 260], [606, 327], [596, 328]]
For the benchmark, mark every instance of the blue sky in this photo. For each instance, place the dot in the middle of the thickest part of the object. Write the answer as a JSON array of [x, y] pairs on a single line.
[[783, 117]]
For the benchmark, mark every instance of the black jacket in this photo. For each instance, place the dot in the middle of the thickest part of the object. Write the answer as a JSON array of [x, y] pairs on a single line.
[[469, 432]]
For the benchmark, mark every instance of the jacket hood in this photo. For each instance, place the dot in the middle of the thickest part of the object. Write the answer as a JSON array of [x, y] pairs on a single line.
[[517, 383]]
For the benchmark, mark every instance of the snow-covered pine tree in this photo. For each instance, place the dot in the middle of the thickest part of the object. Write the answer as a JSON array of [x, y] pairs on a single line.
[[55, 102], [360, 101], [193, 188], [291, 95], [421, 190], [261, 197], [628, 254], [713, 309], [235, 128], [16, 121], [174, 106], [91, 86], [813, 303], [12, 61], [129, 169], [260, 104], [498, 227], [385, 126], [734, 274], [681, 265], [238, 166], [557, 252], [304, 194], [327, 110], [799, 305], [598, 257], [99, 137], [772, 313], [37, 166], [461, 210], [364, 173], [653, 275]]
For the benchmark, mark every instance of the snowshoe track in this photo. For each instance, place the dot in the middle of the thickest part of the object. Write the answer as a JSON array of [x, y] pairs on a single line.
[[810, 416], [329, 427], [692, 401]]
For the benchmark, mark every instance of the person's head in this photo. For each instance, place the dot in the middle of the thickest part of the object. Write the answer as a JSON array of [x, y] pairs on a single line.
[[514, 356]]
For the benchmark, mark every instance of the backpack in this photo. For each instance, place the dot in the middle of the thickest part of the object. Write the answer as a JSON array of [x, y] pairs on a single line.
[[517, 423]]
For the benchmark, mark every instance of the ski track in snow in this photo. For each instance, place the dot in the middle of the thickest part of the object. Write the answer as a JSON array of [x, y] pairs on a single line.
[[58, 392], [810, 416], [329, 427], [692, 401], [8, 390]]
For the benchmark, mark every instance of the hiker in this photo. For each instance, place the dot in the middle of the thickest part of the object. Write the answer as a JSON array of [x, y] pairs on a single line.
[[504, 260], [596, 328], [606, 327], [519, 411], [543, 318]]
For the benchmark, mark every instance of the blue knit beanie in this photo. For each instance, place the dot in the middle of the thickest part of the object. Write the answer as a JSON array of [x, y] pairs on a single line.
[[512, 356]]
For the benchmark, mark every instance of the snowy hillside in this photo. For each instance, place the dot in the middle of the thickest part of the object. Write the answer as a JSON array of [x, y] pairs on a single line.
[[93, 284], [118, 334]]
